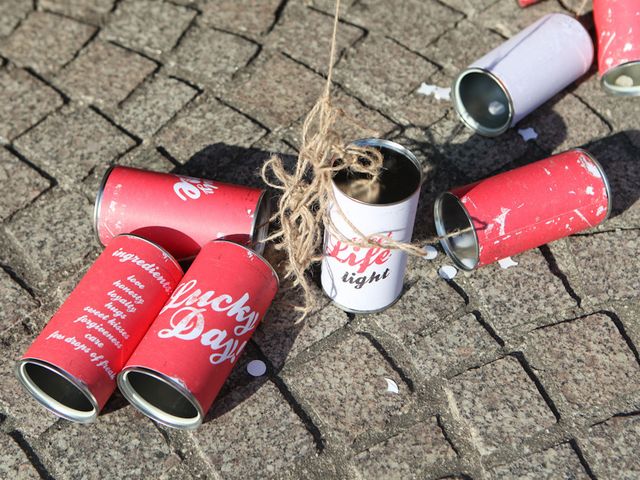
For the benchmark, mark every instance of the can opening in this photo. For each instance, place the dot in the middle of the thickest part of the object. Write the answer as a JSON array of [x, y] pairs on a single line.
[[623, 80], [400, 177], [482, 103], [450, 215], [53, 389], [159, 398]]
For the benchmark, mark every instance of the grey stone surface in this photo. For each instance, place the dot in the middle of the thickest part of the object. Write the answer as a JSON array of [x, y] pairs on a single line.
[[91, 10], [46, 41], [346, 386], [247, 17], [260, 437], [13, 12], [17, 303], [155, 26], [153, 104], [588, 359], [611, 448], [104, 73], [507, 18], [557, 462], [24, 100], [15, 463], [408, 454], [501, 404], [70, 143], [24, 183]]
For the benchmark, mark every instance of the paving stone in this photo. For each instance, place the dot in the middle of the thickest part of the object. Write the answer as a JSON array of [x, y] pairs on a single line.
[[23, 182], [151, 25], [514, 296], [612, 448], [413, 23], [24, 101], [589, 360], [305, 34], [564, 122], [85, 9], [207, 123], [201, 45], [459, 341], [244, 16], [54, 233], [420, 110], [604, 265], [154, 104], [292, 91], [16, 305], [282, 336], [329, 6], [381, 71], [501, 404], [346, 386], [69, 144], [470, 8], [13, 11], [105, 73], [507, 18], [557, 462], [259, 438], [46, 41], [407, 454], [124, 440], [15, 463]]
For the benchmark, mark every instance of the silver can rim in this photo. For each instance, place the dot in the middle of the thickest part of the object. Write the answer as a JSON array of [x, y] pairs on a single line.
[[98, 202], [459, 108], [49, 402], [444, 241], [154, 412], [396, 147], [633, 91], [260, 224]]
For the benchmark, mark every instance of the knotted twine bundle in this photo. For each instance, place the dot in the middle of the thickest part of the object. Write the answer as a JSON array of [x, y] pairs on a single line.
[[307, 191]]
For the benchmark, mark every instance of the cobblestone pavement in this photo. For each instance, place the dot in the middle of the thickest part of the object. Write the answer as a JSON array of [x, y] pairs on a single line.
[[529, 372]]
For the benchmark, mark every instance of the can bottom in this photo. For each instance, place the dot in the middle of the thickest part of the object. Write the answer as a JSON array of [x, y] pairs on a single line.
[[623, 80]]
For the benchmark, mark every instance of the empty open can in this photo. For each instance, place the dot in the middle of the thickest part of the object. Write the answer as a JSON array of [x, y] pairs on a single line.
[[366, 280], [498, 90], [618, 28], [522, 209]]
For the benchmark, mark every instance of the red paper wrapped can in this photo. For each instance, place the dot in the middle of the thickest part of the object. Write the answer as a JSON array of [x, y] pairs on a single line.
[[179, 213], [184, 359], [523, 208], [618, 29], [526, 3], [71, 367]]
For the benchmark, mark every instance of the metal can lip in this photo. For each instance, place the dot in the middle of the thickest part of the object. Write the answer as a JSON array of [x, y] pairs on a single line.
[[466, 118], [441, 229], [162, 250], [605, 180], [396, 147], [98, 202], [151, 410], [50, 403], [254, 253], [630, 69], [260, 225]]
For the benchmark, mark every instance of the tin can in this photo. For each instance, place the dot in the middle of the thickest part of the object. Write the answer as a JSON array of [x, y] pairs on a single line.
[[526, 3], [498, 90], [177, 212], [523, 208], [618, 29], [368, 280], [181, 364], [71, 367]]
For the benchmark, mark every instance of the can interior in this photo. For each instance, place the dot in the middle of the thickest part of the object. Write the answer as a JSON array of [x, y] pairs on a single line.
[[482, 103], [623, 80], [399, 179], [261, 224], [450, 215], [159, 399], [56, 392]]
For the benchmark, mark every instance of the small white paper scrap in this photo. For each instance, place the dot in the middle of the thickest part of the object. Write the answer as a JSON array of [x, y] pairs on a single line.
[[507, 262], [391, 386], [439, 93], [256, 368], [528, 134], [447, 272], [430, 252]]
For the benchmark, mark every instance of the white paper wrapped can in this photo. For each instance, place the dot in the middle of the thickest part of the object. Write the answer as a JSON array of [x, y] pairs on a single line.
[[367, 280]]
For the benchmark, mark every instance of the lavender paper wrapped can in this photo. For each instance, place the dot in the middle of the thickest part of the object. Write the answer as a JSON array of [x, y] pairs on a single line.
[[498, 90]]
